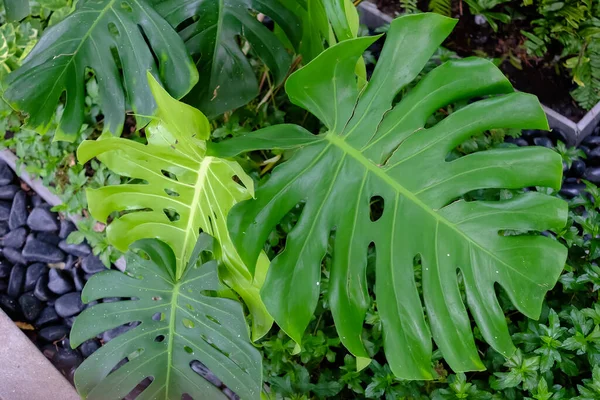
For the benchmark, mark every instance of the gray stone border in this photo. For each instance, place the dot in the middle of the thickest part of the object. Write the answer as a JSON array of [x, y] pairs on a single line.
[[25, 373], [576, 132]]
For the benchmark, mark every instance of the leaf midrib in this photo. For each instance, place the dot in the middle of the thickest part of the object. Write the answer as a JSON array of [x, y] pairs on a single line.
[[339, 142], [171, 337], [189, 229]]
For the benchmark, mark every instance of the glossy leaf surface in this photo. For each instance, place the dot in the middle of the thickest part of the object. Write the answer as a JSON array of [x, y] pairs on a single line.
[[103, 35], [179, 323], [227, 80], [375, 149], [16, 10], [184, 192]]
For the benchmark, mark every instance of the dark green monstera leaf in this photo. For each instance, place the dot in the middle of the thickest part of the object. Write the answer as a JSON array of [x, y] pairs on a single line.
[[16, 9], [211, 31], [180, 323], [375, 150], [102, 35]]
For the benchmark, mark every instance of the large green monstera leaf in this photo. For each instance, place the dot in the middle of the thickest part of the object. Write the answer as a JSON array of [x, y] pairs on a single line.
[[376, 150], [227, 80], [183, 193], [102, 35], [180, 325], [16, 9]]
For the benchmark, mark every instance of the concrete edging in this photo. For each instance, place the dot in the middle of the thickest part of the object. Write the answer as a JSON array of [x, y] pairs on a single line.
[[576, 132], [25, 373]]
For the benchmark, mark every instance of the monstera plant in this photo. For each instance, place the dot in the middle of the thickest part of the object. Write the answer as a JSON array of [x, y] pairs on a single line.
[[121, 40], [376, 151], [183, 192], [179, 325]]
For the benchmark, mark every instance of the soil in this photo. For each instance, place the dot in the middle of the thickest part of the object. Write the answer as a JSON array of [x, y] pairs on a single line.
[[539, 76]]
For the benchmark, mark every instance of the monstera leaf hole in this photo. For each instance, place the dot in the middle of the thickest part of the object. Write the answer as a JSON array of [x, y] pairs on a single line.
[[177, 333], [376, 203]]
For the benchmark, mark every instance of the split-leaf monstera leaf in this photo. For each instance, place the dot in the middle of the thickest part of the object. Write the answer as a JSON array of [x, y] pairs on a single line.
[[183, 192], [374, 149], [227, 79], [180, 327], [102, 35]]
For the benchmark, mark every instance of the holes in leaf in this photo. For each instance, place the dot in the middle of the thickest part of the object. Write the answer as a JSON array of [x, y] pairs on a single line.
[[188, 349], [168, 174], [171, 214], [376, 205], [277, 238], [139, 388], [188, 323], [159, 316], [159, 338], [213, 319], [171, 193], [114, 31], [125, 6], [204, 372], [186, 396], [156, 298], [189, 307], [149, 47], [237, 180]]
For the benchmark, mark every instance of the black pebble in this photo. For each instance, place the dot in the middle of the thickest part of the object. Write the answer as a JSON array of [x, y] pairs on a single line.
[[42, 220], [8, 192], [92, 264], [49, 351], [530, 134], [48, 237], [113, 333], [31, 306], [46, 317], [78, 250], [78, 279], [4, 210], [16, 280], [593, 156], [577, 168], [592, 174], [66, 358], [18, 211], [69, 305], [15, 238], [36, 200], [9, 305], [5, 269], [4, 228], [89, 346], [41, 289], [543, 141], [53, 333], [591, 141], [204, 372], [570, 190], [36, 250], [3, 286], [66, 227], [14, 256], [521, 142], [6, 174], [69, 321], [59, 282], [34, 271]]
